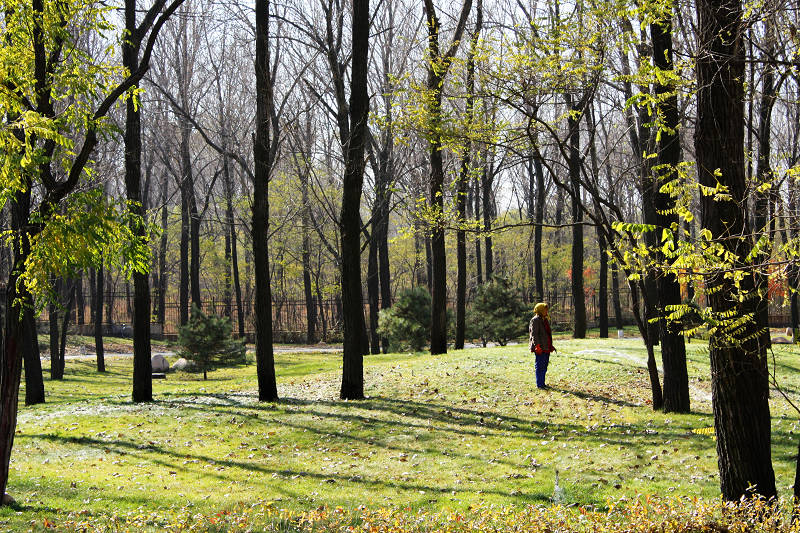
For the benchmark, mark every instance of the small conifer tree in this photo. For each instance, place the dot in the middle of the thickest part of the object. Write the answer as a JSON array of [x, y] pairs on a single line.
[[497, 313], [407, 324], [206, 340]]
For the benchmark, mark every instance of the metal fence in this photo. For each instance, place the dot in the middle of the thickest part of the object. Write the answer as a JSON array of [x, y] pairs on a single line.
[[289, 320]]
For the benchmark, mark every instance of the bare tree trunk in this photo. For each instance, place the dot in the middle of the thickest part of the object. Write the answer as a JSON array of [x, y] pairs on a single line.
[[350, 220], [311, 314], [537, 232], [602, 296], [34, 380], [14, 335], [486, 182], [478, 255], [80, 300], [461, 191], [764, 170], [162, 257], [98, 319], [615, 296], [53, 313], [265, 362], [186, 188], [574, 164]]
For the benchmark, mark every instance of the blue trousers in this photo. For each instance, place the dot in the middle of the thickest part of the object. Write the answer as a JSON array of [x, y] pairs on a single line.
[[542, 360]]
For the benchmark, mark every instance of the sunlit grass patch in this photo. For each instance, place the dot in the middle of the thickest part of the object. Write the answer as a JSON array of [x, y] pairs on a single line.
[[463, 430]]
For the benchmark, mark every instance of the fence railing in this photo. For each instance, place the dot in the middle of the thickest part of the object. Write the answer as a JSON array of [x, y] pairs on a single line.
[[289, 317]]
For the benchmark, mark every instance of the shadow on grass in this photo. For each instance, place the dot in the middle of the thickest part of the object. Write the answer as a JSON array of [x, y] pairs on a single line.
[[124, 447]]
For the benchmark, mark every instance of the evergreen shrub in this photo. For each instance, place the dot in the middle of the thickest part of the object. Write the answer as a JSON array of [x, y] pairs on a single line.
[[206, 340]]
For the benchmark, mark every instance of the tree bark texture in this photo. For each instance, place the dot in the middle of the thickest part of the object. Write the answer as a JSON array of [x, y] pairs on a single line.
[[352, 301], [265, 361], [34, 380], [739, 378], [142, 369], [14, 335]]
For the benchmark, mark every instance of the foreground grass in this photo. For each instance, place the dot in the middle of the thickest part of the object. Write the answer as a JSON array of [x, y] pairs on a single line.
[[459, 431]]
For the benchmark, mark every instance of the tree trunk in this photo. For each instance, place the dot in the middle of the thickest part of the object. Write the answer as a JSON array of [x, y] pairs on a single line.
[[14, 336], [350, 220], [34, 380], [602, 296], [62, 346], [383, 251], [438, 64], [194, 269], [80, 300], [537, 232], [265, 361], [53, 313], [486, 181], [673, 349], [373, 285], [478, 253], [764, 172], [186, 188], [162, 258], [739, 375], [142, 369], [615, 296], [98, 320], [579, 303], [461, 190], [311, 313]]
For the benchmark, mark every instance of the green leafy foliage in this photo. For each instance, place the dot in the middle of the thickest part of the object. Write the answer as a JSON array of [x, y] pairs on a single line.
[[497, 313], [206, 340], [407, 324]]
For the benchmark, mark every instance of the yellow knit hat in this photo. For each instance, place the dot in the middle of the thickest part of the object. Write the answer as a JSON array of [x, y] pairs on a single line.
[[540, 309]]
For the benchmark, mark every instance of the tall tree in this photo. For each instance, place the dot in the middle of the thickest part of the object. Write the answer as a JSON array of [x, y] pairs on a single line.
[[463, 182], [438, 66], [350, 220], [739, 376], [142, 370], [43, 36], [264, 149], [673, 350]]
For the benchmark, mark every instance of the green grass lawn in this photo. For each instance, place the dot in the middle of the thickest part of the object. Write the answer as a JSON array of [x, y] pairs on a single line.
[[436, 432]]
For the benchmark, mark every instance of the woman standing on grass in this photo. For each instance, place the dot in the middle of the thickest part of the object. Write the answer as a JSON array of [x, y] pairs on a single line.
[[541, 341]]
